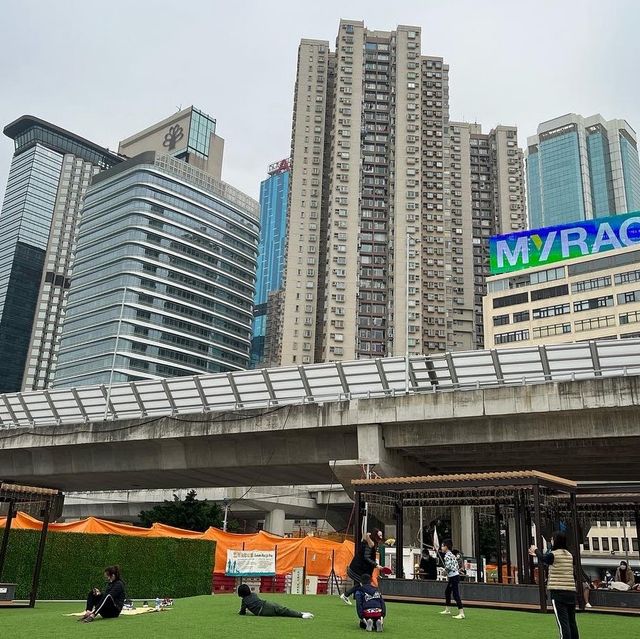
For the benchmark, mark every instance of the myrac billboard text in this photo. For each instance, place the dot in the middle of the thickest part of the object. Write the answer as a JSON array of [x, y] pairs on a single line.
[[539, 247]]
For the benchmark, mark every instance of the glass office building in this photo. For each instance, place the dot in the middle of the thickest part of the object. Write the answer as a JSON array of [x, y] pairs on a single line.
[[581, 168], [50, 171], [164, 278], [271, 252]]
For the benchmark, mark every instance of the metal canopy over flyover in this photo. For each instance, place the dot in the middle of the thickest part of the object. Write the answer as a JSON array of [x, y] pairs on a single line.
[[320, 383]]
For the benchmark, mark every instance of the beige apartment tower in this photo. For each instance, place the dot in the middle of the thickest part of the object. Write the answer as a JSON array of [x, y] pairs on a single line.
[[366, 199], [380, 254]]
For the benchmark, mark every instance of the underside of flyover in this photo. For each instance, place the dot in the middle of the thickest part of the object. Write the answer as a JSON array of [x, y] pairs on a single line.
[[583, 430]]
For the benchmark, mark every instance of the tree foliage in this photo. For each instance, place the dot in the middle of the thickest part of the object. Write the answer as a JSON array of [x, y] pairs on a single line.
[[188, 513]]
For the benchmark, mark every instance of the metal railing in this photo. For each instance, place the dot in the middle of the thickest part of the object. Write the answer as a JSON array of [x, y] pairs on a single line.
[[325, 382]]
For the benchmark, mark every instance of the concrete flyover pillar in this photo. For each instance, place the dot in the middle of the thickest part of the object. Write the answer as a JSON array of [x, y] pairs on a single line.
[[274, 521], [462, 528]]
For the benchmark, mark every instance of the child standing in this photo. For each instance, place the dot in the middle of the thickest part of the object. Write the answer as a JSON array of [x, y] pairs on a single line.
[[453, 576], [261, 608], [370, 606]]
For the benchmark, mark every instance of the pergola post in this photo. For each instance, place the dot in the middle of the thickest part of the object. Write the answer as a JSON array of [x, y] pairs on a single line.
[[498, 541], [538, 523], [476, 543], [637, 516], [527, 541], [5, 535], [507, 541], [357, 530], [577, 560], [517, 514], [38, 566], [400, 539]]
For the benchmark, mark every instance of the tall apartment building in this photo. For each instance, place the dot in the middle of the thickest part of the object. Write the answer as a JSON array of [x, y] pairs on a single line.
[[486, 185], [274, 193], [365, 272], [581, 168], [50, 171], [164, 276]]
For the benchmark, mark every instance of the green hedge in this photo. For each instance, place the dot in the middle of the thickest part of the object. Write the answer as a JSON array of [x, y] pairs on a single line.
[[74, 563]]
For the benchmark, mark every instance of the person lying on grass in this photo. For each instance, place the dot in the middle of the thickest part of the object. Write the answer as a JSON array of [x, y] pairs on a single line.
[[108, 604], [261, 608], [370, 606]]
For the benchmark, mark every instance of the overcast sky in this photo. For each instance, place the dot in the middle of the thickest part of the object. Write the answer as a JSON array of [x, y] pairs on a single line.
[[105, 70]]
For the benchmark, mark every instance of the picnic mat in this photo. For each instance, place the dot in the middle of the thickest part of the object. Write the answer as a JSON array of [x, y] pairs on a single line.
[[124, 613]]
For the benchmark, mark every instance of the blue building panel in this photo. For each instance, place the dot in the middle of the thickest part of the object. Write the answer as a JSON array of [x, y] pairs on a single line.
[[271, 251]]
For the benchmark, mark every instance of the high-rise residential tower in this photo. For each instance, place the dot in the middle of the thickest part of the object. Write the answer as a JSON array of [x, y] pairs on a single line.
[[486, 174], [49, 174], [581, 168], [274, 192], [164, 276], [365, 273]]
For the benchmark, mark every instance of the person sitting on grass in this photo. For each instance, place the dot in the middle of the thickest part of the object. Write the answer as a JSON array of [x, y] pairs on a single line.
[[370, 606], [108, 604], [261, 608]]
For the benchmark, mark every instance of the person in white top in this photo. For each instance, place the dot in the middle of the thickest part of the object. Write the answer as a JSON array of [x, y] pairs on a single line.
[[453, 580]]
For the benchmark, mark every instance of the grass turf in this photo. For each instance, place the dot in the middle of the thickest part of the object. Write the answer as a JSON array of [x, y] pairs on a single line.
[[208, 617]]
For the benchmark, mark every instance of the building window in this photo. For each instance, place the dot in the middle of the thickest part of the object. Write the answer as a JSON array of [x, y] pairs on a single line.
[[552, 291], [615, 544], [634, 544], [627, 278], [513, 336], [595, 543], [585, 545], [625, 544], [500, 320], [522, 316], [594, 302], [551, 311], [589, 285], [629, 297], [595, 322], [510, 300], [605, 544], [552, 329]]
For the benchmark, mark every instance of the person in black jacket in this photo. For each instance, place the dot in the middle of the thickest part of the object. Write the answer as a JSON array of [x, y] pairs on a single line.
[[364, 562], [370, 606], [261, 608], [108, 604]]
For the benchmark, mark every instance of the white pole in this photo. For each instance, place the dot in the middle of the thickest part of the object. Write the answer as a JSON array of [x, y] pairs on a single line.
[[420, 538], [226, 515], [115, 352]]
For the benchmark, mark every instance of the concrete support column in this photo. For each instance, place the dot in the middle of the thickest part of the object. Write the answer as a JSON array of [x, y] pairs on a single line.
[[274, 522], [462, 529]]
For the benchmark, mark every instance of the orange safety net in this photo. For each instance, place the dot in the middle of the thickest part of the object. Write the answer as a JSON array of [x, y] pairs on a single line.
[[317, 555]]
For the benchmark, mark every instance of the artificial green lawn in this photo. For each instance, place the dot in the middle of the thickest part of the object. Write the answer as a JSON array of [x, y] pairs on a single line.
[[216, 616]]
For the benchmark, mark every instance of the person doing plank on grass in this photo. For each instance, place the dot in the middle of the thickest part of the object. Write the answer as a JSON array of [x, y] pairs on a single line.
[[107, 604], [261, 608], [561, 583], [370, 606]]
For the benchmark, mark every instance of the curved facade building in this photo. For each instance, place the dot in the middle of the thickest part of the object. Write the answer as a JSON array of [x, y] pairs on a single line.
[[164, 276]]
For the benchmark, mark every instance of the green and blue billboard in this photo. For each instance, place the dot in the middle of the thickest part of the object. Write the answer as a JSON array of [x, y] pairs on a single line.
[[539, 247]]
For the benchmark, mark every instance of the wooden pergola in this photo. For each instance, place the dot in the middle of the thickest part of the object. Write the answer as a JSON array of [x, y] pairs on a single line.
[[530, 497], [43, 503]]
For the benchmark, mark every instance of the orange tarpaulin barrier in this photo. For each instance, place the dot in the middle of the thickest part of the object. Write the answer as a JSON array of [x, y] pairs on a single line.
[[314, 553]]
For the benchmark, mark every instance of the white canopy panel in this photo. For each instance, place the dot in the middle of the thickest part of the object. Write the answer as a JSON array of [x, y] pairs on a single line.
[[326, 382]]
